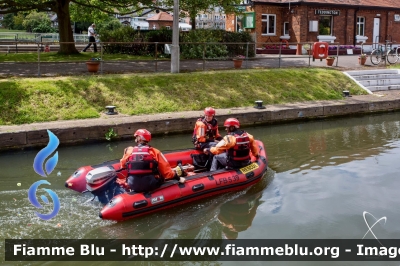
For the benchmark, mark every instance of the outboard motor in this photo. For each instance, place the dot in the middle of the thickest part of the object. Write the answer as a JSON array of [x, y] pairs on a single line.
[[101, 183]]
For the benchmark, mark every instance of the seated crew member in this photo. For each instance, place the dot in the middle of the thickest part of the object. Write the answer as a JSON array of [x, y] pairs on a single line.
[[234, 149], [147, 167], [206, 130]]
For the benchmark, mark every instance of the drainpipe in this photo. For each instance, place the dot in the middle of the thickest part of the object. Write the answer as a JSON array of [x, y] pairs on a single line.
[[387, 27], [355, 25], [347, 20]]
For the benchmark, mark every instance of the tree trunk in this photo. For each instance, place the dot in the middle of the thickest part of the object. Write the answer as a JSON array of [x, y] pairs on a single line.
[[193, 21], [64, 28]]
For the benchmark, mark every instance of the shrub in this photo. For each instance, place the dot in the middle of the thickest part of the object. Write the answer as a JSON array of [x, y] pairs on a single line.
[[211, 43], [124, 34]]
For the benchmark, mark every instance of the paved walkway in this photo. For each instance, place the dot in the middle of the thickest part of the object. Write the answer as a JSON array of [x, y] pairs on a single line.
[[344, 62]]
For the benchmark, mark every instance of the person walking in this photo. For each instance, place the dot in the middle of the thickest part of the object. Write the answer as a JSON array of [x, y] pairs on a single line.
[[92, 40], [234, 149]]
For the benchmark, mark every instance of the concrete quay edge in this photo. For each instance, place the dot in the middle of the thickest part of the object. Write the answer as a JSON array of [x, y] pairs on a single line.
[[91, 130]]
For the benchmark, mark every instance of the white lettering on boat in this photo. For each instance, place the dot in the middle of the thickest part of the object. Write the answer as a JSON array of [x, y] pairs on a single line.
[[157, 199]]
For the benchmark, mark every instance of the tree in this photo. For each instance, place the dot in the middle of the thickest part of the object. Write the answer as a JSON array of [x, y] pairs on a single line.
[[8, 21], [62, 9], [35, 19], [18, 20], [194, 7], [13, 21], [99, 8], [109, 24]]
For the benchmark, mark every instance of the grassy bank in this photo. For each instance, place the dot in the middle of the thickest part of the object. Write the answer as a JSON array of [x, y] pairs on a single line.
[[54, 57], [27, 100]]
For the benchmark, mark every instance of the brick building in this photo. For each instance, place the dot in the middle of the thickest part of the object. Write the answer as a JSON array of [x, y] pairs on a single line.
[[347, 22], [162, 19]]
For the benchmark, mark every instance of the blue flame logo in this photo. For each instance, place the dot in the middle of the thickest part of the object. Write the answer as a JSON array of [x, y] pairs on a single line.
[[44, 153], [32, 198], [38, 167]]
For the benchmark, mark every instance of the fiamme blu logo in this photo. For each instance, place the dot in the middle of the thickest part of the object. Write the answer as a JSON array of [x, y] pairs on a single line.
[[49, 165]]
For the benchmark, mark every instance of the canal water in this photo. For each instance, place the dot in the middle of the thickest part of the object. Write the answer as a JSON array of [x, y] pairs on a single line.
[[323, 175]]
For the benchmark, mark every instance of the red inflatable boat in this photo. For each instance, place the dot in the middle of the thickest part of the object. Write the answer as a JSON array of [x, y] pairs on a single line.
[[77, 181], [199, 184]]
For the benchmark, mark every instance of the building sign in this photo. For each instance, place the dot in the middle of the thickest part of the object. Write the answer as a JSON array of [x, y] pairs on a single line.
[[249, 21], [327, 12]]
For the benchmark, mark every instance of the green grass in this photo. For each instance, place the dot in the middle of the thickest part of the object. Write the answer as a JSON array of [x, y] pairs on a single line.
[[11, 31], [55, 57], [27, 100]]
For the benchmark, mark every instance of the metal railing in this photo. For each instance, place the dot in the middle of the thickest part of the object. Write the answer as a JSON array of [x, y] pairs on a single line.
[[256, 56], [39, 37]]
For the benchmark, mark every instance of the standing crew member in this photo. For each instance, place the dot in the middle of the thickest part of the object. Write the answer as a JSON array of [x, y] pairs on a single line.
[[147, 167], [206, 130], [234, 149]]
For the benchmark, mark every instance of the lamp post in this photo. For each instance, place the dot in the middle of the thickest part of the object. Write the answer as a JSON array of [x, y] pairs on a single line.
[[175, 40]]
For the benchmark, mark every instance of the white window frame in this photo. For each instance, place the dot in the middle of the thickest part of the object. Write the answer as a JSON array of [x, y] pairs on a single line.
[[284, 28], [359, 22], [168, 27], [266, 20]]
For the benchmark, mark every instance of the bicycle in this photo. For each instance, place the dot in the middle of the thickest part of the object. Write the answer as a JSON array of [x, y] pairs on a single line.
[[393, 54], [390, 54]]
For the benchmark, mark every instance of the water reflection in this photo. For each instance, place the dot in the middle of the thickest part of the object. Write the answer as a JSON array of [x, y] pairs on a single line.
[[316, 144], [237, 215]]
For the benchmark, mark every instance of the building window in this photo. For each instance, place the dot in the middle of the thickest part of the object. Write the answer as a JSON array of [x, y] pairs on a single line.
[[268, 24], [286, 28], [360, 26], [239, 23], [168, 27], [325, 25]]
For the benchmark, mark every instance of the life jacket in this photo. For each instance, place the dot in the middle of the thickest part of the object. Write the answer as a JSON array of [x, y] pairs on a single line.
[[239, 155], [211, 129], [140, 162]]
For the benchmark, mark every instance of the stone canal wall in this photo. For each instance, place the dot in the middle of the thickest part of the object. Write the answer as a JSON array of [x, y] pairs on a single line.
[[90, 130]]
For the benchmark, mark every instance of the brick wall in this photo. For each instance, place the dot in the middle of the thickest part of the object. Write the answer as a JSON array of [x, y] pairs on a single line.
[[394, 26], [280, 18], [160, 24], [343, 24], [230, 22]]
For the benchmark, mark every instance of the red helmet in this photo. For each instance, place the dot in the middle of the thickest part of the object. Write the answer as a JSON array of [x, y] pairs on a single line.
[[232, 122], [144, 134], [209, 111]]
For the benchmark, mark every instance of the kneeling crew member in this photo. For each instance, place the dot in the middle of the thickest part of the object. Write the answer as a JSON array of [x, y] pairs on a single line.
[[234, 149], [147, 167]]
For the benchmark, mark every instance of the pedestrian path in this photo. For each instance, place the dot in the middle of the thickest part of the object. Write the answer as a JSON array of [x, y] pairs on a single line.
[[48, 69]]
